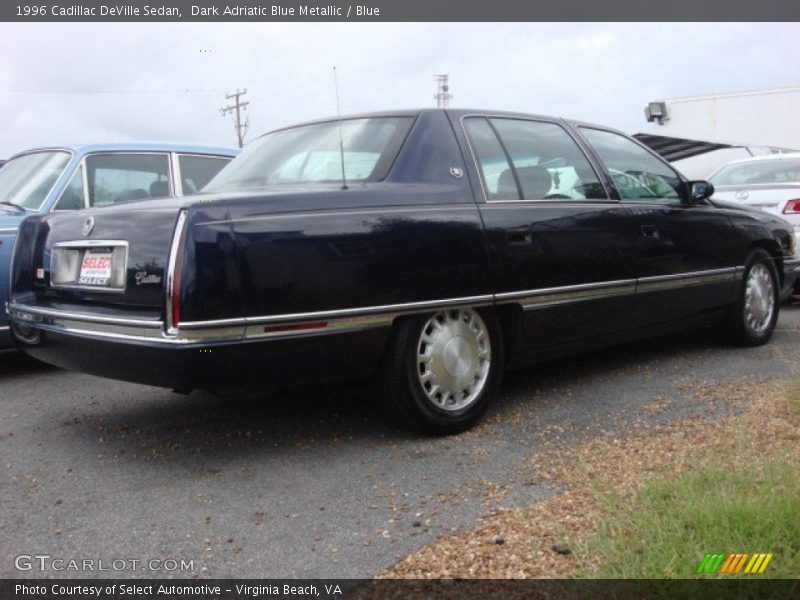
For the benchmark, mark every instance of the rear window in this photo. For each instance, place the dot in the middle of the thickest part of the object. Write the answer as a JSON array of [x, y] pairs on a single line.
[[312, 154], [121, 177]]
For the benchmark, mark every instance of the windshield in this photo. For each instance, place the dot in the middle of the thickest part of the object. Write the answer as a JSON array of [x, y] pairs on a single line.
[[26, 180], [785, 170], [311, 154]]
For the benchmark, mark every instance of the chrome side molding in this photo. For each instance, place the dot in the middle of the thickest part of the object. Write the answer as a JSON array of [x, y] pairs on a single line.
[[335, 321]]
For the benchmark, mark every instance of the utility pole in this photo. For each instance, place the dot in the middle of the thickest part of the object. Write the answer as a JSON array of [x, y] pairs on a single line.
[[237, 108], [442, 95]]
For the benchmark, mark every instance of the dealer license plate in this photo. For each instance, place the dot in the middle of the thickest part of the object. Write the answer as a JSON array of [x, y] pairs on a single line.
[[96, 267]]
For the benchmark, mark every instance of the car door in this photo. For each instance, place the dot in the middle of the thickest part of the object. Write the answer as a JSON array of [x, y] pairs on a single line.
[[560, 248], [687, 253]]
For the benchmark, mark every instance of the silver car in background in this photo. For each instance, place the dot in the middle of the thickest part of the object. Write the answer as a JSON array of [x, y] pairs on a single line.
[[770, 183]]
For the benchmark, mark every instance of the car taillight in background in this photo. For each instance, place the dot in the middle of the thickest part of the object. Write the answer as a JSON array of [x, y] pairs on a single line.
[[792, 207]]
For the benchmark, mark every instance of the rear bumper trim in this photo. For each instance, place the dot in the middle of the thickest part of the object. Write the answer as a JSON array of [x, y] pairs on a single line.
[[44, 313], [152, 332]]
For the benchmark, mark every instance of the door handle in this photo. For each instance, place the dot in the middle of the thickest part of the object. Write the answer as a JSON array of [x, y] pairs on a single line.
[[520, 236], [650, 232]]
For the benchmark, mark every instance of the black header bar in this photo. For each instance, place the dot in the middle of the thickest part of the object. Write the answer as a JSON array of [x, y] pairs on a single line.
[[399, 11]]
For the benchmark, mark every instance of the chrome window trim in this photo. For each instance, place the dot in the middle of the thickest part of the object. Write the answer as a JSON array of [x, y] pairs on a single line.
[[92, 244], [6, 230], [500, 204], [175, 173], [251, 329], [589, 159], [229, 158], [85, 175]]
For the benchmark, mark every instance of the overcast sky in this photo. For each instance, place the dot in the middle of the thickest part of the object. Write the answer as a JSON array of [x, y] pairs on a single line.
[[62, 83]]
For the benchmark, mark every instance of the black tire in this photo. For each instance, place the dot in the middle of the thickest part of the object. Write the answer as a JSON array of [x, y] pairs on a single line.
[[399, 396], [735, 327]]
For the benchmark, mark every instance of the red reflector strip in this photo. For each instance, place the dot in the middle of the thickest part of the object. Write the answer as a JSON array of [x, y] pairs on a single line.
[[296, 327]]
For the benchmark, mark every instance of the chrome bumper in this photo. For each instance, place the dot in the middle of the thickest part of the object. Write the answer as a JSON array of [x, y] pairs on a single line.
[[140, 331], [132, 330]]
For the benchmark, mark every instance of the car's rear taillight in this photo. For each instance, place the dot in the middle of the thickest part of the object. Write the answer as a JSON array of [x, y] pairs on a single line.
[[792, 207], [173, 287]]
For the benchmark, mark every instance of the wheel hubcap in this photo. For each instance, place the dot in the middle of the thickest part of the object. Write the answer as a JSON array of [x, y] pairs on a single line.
[[453, 358], [759, 298]]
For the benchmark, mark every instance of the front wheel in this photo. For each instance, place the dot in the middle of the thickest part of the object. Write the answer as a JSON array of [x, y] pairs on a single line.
[[752, 319], [441, 371]]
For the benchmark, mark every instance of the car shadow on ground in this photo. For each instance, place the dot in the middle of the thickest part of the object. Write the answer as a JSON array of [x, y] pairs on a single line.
[[14, 363], [159, 425]]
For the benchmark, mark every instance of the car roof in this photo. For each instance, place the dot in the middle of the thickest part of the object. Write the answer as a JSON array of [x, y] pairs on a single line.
[[763, 157], [456, 113], [137, 147]]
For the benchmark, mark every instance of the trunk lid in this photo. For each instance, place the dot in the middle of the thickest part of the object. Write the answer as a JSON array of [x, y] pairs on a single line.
[[771, 198], [130, 245]]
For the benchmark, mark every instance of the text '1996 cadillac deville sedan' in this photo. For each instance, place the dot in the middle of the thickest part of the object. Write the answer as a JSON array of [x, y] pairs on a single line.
[[425, 251]]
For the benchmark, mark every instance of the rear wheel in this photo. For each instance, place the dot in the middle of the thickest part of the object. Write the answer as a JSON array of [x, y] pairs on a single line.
[[441, 371], [752, 319]]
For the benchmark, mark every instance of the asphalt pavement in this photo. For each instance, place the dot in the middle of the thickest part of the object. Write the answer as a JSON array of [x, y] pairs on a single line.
[[305, 483]]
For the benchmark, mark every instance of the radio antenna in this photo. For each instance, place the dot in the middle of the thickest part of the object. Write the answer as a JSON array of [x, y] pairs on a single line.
[[339, 118]]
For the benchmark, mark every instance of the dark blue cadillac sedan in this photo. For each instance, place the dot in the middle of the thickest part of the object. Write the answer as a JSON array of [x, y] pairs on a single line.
[[425, 251]]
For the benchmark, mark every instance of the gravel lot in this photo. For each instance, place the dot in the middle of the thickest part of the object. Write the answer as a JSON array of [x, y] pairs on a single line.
[[307, 483]]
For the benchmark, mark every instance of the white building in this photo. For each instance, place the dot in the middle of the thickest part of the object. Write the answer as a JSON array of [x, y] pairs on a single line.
[[750, 123]]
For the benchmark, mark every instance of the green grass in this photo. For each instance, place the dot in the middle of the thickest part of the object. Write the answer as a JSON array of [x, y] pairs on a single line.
[[672, 524]]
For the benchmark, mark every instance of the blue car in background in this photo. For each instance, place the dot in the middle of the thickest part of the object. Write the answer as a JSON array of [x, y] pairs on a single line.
[[63, 178]]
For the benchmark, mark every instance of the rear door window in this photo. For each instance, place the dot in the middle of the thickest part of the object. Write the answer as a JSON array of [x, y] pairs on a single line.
[[197, 171], [532, 160], [121, 177]]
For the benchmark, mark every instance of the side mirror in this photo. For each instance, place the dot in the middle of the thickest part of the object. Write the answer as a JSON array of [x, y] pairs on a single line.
[[699, 190]]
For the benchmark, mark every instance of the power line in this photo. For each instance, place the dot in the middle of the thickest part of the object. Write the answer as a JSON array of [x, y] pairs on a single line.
[[106, 92], [237, 108]]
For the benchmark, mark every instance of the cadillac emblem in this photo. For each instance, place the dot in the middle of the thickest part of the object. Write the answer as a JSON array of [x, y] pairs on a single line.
[[742, 195], [88, 225]]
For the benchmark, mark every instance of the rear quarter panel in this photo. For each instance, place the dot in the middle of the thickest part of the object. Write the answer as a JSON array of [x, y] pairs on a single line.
[[415, 237]]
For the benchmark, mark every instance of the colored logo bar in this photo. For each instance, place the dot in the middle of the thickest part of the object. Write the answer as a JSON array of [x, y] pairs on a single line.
[[733, 564]]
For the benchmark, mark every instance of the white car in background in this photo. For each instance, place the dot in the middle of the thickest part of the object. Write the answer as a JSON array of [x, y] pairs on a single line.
[[770, 183]]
